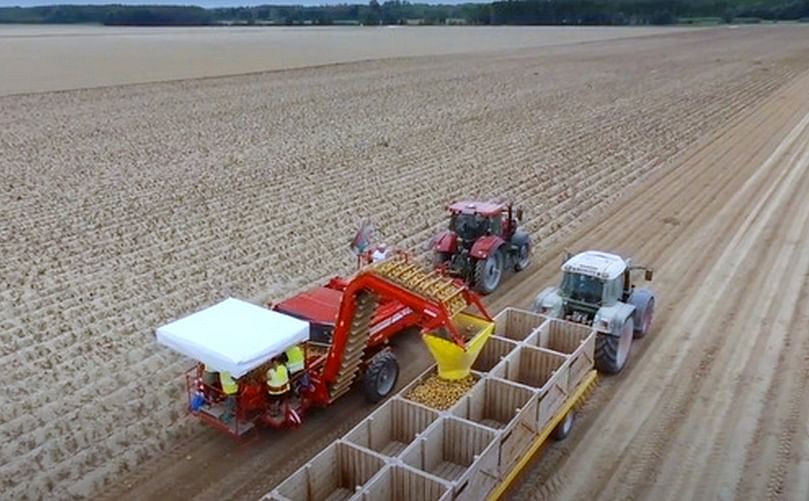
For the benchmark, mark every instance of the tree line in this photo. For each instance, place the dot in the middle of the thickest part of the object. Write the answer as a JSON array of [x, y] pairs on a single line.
[[508, 12]]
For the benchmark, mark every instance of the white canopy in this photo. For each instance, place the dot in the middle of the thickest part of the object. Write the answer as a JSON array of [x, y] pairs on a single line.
[[233, 336]]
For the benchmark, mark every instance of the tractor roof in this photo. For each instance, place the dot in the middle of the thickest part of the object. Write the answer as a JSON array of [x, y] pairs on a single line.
[[596, 264], [233, 336], [472, 207]]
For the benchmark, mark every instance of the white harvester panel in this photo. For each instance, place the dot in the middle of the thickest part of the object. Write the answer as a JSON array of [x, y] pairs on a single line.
[[233, 336]]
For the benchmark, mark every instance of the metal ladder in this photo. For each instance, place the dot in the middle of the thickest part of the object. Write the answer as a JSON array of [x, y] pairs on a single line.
[[355, 346]]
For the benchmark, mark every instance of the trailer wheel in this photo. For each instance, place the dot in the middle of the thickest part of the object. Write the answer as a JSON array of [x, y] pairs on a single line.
[[612, 352], [380, 376], [488, 272], [564, 427]]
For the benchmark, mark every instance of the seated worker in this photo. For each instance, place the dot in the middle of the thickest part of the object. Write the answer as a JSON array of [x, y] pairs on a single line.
[[252, 396], [230, 387], [209, 377], [379, 253], [277, 384], [295, 359]]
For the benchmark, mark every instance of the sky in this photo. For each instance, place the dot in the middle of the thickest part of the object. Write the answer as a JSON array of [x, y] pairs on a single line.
[[204, 3]]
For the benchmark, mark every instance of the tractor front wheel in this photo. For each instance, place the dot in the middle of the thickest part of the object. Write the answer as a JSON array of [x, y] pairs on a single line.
[[380, 376], [488, 272], [646, 322], [439, 258], [612, 352], [523, 258]]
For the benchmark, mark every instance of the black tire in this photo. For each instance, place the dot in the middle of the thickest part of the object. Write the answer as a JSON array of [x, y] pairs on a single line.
[[611, 356], [380, 377], [439, 258], [645, 323], [523, 257], [564, 427], [489, 273]]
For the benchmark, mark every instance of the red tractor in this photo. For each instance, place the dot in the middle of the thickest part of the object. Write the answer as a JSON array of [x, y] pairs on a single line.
[[482, 241]]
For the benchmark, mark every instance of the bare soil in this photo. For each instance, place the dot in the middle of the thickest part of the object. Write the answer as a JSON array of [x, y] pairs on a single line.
[[126, 207], [48, 58]]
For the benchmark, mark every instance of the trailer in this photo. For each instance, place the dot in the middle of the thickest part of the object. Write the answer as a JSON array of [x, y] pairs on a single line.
[[531, 374], [343, 329]]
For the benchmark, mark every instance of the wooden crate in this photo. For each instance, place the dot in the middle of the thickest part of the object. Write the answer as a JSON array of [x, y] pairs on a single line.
[[392, 427], [459, 452], [574, 340], [431, 372], [338, 473], [543, 370], [495, 349], [508, 408], [516, 324], [398, 482]]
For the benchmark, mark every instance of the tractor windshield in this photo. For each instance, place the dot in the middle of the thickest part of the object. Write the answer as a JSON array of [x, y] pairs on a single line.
[[469, 226], [584, 288]]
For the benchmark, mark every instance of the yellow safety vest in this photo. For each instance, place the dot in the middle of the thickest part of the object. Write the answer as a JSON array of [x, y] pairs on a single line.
[[229, 386], [295, 359], [277, 380]]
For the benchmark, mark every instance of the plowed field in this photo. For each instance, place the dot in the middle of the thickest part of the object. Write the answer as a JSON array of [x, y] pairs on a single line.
[[126, 207]]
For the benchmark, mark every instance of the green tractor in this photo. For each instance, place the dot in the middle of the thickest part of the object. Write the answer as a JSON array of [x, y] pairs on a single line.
[[597, 290]]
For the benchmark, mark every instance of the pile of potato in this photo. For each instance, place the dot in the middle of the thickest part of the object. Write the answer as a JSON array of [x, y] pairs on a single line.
[[440, 393]]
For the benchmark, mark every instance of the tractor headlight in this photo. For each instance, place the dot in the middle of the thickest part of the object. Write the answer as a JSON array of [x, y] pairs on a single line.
[[602, 323]]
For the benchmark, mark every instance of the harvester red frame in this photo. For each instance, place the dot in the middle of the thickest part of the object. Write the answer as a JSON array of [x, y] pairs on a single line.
[[398, 309]]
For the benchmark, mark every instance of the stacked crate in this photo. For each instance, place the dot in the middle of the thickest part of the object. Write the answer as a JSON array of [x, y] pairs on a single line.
[[407, 451]]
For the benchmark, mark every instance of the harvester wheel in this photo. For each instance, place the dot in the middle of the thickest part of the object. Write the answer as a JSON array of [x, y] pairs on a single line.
[[612, 352], [488, 272], [523, 258], [380, 376], [564, 427]]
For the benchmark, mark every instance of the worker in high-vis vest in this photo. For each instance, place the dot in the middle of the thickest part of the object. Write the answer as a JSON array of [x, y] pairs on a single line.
[[230, 387], [277, 379], [209, 376], [295, 362]]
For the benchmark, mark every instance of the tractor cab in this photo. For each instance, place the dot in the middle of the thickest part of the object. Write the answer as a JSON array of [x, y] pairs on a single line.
[[473, 220], [593, 279]]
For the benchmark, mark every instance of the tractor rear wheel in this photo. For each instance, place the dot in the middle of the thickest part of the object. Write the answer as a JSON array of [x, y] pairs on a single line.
[[523, 257], [380, 376], [612, 352], [488, 272]]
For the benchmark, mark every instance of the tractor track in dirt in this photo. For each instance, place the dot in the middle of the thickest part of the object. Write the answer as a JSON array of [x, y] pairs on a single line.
[[677, 117], [713, 401]]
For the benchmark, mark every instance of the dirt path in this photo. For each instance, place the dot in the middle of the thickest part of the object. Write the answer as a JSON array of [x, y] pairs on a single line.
[[715, 402]]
